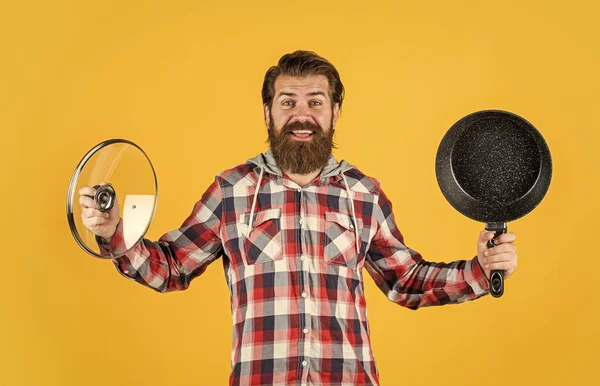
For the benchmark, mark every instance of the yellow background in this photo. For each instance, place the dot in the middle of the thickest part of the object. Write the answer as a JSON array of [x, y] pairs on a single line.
[[182, 80]]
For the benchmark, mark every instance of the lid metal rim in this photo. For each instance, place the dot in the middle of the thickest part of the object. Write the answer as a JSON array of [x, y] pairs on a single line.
[[71, 191]]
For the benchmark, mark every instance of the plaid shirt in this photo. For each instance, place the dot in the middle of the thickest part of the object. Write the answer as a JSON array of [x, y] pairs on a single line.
[[294, 272]]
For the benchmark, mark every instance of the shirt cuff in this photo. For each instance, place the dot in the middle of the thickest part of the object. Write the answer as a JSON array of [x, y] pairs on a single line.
[[476, 277], [116, 247]]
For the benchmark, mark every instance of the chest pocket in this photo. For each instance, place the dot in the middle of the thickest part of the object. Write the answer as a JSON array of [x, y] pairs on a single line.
[[340, 239], [263, 244]]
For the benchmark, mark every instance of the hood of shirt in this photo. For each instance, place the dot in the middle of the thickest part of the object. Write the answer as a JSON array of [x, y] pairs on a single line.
[[332, 168], [266, 163]]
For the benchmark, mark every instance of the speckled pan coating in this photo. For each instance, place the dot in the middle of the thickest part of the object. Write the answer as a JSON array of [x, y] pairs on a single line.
[[493, 166]]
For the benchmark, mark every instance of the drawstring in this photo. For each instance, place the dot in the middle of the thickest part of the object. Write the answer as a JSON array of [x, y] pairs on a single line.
[[350, 196], [348, 192], [262, 169]]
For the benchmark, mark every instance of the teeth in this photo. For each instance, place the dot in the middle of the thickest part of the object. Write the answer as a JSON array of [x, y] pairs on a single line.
[[302, 131]]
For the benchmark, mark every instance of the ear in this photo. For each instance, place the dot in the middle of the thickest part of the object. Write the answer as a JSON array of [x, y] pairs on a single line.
[[267, 115], [336, 115]]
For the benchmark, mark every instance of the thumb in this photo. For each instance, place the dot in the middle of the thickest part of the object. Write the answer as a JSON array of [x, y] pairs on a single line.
[[484, 237]]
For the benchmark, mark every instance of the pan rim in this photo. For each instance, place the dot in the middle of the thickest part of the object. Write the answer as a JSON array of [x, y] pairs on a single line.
[[480, 210]]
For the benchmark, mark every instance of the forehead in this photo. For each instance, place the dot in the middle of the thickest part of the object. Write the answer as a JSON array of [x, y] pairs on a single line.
[[308, 84]]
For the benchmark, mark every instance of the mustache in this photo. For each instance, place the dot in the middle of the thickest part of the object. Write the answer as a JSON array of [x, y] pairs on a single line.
[[297, 125]]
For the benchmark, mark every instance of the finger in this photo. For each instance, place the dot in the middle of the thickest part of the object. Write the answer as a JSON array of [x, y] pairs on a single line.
[[502, 266], [97, 221], [505, 238], [86, 202], [484, 237], [501, 257], [91, 212], [502, 248], [88, 191], [93, 221]]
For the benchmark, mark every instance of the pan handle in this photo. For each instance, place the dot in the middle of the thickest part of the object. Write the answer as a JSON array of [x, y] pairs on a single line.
[[496, 276]]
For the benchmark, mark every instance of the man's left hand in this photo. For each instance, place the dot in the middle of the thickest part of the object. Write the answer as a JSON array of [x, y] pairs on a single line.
[[501, 257]]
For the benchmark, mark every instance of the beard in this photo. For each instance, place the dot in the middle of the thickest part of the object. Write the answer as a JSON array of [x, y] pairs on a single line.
[[301, 157]]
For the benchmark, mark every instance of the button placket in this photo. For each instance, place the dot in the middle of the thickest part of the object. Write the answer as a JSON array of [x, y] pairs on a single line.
[[304, 324]]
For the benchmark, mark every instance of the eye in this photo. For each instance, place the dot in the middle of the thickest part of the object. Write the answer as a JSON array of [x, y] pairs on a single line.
[[316, 103], [287, 103]]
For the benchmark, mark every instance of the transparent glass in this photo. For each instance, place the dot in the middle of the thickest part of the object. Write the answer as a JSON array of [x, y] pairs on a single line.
[[122, 175]]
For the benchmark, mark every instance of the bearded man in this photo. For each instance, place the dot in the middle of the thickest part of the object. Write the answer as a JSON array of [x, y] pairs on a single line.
[[295, 228]]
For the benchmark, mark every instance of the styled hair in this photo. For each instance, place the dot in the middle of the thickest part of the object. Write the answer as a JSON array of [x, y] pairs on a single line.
[[301, 64]]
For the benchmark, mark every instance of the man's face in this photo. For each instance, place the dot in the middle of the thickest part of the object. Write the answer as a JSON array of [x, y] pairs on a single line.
[[301, 123]]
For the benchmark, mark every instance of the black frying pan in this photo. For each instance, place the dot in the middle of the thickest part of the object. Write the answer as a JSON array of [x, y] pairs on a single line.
[[494, 167]]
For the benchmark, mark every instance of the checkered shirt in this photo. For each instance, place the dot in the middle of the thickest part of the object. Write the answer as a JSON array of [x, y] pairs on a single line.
[[296, 277]]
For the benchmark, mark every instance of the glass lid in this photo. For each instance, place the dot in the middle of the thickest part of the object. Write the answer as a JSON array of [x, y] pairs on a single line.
[[114, 188]]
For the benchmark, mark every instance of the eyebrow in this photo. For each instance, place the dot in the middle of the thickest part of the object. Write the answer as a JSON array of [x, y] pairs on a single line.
[[314, 93]]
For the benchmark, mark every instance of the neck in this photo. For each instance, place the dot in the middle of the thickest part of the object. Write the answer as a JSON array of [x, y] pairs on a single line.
[[303, 179]]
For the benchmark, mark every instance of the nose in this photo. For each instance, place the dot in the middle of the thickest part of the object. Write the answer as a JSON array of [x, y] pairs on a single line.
[[302, 114], [302, 118]]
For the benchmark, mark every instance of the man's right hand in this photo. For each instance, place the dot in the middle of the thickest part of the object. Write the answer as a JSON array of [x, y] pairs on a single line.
[[101, 224]]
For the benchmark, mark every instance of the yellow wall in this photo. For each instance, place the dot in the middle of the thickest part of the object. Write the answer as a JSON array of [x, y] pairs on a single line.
[[183, 81]]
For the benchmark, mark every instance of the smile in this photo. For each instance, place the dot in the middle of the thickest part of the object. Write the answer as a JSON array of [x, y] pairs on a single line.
[[302, 135]]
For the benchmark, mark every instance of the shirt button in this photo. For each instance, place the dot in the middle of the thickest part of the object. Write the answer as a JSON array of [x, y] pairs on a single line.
[[304, 363], [126, 271], [302, 257], [303, 294], [305, 331], [301, 221]]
